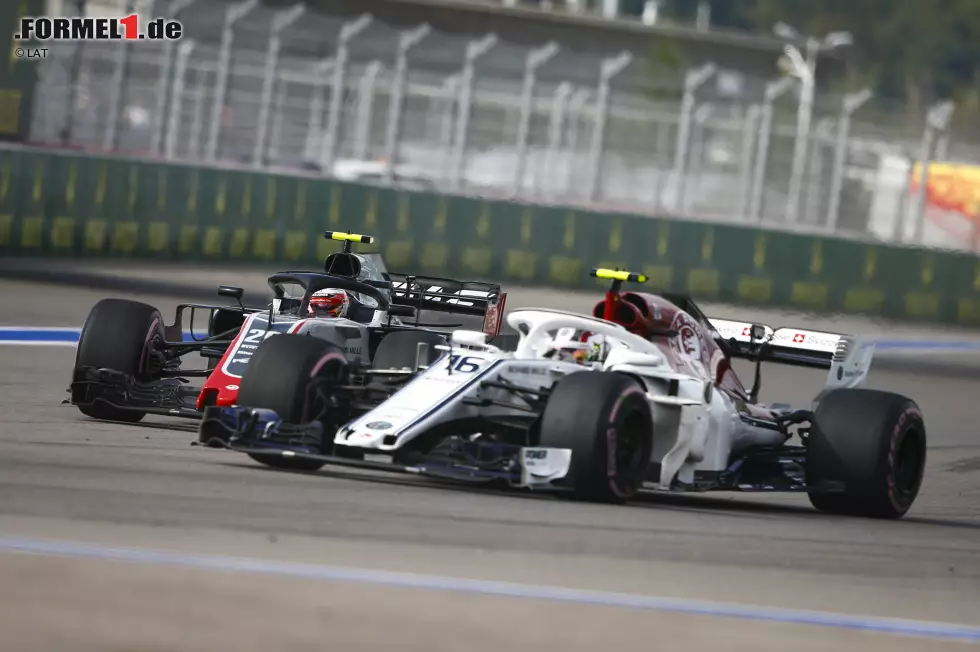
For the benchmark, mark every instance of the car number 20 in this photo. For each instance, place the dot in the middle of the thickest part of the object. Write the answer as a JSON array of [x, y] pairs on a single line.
[[257, 335], [465, 364]]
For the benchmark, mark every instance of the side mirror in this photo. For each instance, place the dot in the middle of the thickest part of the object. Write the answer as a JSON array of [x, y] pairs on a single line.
[[231, 292], [757, 333], [381, 285], [401, 311]]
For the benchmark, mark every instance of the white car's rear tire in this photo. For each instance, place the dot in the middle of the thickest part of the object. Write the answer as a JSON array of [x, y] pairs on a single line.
[[874, 443]]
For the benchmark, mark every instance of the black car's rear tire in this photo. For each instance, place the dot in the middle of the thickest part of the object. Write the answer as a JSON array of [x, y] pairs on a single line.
[[874, 443], [283, 375], [117, 336], [398, 349], [605, 419]]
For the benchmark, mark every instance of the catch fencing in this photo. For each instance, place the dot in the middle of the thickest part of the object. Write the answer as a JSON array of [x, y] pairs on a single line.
[[287, 88]]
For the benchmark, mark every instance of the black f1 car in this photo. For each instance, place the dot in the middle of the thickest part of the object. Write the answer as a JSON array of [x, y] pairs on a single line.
[[129, 362]]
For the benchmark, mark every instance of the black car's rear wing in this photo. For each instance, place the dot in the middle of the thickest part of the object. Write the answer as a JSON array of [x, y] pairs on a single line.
[[446, 295]]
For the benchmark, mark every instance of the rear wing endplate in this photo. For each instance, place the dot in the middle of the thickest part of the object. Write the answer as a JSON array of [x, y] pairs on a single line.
[[446, 295]]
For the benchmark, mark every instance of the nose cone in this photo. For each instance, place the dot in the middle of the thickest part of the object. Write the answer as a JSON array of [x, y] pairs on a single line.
[[361, 437]]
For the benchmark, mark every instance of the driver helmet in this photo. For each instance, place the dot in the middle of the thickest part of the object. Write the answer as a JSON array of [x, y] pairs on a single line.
[[577, 346], [595, 349], [329, 303]]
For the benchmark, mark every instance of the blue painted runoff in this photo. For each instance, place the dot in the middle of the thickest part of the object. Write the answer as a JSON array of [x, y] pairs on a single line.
[[860, 622], [50, 335], [43, 335]]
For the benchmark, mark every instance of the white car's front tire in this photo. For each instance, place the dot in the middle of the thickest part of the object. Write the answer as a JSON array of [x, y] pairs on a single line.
[[605, 419]]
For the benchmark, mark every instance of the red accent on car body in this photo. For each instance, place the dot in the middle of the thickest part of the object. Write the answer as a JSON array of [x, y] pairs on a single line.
[[645, 314], [221, 387]]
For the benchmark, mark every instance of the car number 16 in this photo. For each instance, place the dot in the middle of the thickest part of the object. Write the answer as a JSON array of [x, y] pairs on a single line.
[[465, 364]]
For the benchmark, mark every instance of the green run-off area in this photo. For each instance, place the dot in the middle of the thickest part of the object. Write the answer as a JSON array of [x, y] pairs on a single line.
[[65, 204]]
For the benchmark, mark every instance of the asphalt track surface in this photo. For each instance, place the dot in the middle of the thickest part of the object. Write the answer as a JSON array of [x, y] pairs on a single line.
[[77, 496]]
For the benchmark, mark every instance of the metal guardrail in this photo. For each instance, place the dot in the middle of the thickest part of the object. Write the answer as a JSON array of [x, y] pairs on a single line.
[[289, 88]]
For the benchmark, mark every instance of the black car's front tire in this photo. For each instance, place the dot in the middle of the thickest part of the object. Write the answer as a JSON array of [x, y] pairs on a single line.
[[287, 374], [117, 335], [872, 442]]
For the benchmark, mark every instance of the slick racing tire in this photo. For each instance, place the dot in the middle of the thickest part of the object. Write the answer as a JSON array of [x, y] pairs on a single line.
[[398, 349], [872, 442], [281, 376], [605, 419], [116, 335]]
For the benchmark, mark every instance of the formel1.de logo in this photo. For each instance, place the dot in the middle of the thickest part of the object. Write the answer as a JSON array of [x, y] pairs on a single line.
[[123, 28]]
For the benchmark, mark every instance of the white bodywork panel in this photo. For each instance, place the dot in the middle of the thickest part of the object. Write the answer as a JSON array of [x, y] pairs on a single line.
[[697, 426]]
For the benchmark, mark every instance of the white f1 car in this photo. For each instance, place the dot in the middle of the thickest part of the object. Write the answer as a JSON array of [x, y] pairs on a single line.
[[640, 395]]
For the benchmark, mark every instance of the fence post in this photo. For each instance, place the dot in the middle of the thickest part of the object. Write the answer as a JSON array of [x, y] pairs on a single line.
[[450, 92], [314, 127], [281, 21], [806, 71], [163, 81], [184, 51], [116, 89], [197, 118], [68, 126], [821, 134], [904, 199], [275, 135], [474, 50], [556, 125], [348, 31], [701, 116], [750, 131], [534, 60], [396, 100], [365, 111], [773, 91], [693, 80], [575, 105], [610, 68], [942, 146], [936, 121], [852, 103], [233, 14]]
